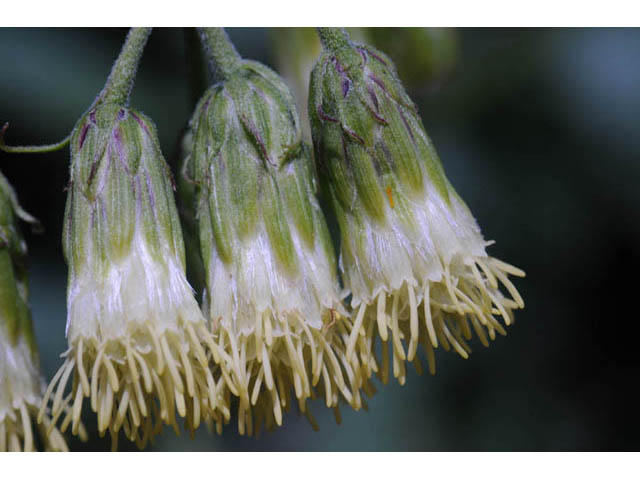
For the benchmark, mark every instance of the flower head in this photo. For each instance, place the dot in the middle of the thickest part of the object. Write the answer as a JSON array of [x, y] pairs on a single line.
[[21, 384], [412, 255], [137, 338], [271, 287]]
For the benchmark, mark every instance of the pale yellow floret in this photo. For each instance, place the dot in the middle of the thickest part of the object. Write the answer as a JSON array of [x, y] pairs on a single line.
[[17, 431], [444, 312], [271, 373], [138, 383], [21, 389]]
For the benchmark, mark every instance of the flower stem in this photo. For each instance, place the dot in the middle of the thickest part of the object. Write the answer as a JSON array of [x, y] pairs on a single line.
[[333, 39], [120, 81], [222, 55], [31, 148]]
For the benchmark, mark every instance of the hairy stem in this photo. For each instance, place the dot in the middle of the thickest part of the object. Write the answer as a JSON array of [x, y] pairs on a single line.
[[52, 147], [120, 81], [333, 39], [222, 55]]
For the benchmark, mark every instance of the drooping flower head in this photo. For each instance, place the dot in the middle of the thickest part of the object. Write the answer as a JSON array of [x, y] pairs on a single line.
[[137, 339], [21, 384], [271, 286], [412, 255]]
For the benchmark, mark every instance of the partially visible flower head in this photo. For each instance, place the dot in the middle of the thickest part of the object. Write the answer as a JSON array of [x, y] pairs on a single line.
[[21, 384], [137, 339], [272, 292], [412, 255]]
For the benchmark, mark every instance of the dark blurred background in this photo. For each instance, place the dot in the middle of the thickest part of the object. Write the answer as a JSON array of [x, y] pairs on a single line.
[[537, 130]]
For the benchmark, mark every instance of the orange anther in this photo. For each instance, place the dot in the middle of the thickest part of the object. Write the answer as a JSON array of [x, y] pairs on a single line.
[[390, 195]]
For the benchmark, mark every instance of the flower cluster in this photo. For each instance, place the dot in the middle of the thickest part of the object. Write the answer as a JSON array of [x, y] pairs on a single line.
[[283, 319]]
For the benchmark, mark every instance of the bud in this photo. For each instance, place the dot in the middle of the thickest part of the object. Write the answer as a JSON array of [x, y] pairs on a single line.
[[137, 338], [271, 287], [412, 255], [21, 385]]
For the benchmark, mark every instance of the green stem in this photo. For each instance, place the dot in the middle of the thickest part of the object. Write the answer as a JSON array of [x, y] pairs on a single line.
[[120, 81], [333, 39], [52, 147], [222, 55]]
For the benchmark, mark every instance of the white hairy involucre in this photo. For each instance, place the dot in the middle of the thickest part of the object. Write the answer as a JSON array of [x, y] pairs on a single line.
[[255, 285], [133, 293], [396, 253], [282, 332], [429, 283], [137, 342]]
